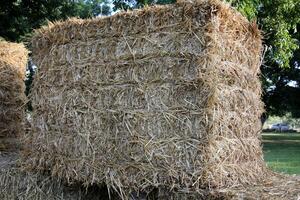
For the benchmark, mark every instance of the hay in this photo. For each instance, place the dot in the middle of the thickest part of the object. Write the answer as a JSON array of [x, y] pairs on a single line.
[[17, 184], [277, 187], [21, 185], [13, 58], [167, 96]]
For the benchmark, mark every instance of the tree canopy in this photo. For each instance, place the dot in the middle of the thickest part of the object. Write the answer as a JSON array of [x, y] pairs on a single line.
[[280, 23], [18, 18], [278, 19]]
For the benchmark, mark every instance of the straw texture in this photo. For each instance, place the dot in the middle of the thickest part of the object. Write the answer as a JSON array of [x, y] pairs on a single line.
[[277, 187], [13, 58], [17, 184], [21, 185], [167, 97]]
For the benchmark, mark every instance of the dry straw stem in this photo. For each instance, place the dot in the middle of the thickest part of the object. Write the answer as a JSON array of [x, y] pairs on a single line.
[[13, 58], [17, 184], [21, 185], [277, 187], [166, 96]]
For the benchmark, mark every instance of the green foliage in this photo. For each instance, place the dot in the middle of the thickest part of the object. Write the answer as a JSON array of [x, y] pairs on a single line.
[[248, 8], [19, 17], [278, 19], [91, 8], [281, 88], [280, 23], [131, 4]]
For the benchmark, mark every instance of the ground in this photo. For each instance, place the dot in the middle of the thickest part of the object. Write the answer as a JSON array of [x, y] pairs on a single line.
[[282, 152]]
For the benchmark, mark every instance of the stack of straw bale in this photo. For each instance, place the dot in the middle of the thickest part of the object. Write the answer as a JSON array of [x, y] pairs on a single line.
[[13, 59], [163, 97]]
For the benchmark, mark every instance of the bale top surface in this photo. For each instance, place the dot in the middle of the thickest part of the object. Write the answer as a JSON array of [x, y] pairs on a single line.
[[14, 54]]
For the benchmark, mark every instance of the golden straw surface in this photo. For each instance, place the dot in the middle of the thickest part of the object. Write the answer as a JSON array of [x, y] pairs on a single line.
[[13, 58], [166, 96]]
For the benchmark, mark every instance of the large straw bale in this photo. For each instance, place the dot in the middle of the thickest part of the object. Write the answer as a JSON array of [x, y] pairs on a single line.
[[13, 58], [166, 96]]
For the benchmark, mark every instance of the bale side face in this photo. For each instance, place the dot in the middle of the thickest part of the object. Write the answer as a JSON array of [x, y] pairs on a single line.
[[234, 154], [13, 58], [145, 100], [133, 104]]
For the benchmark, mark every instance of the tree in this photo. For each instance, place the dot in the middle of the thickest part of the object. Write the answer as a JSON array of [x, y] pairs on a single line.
[[18, 18], [280, 22], [131, 4]]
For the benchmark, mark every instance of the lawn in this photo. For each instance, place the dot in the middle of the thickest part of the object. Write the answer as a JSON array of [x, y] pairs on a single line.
[[282, 151]]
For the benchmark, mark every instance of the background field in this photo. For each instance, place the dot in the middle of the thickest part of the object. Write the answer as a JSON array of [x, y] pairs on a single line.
[[282, 151]]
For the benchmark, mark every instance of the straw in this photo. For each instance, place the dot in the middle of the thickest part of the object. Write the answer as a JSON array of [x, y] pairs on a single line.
[[162, 97], [13, 58]]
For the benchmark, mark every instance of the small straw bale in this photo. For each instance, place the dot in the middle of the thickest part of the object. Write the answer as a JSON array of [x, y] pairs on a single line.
[[165, 96], [13, 59]]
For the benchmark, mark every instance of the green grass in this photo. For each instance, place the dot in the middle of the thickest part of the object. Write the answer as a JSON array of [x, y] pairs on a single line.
[[282, 151]]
